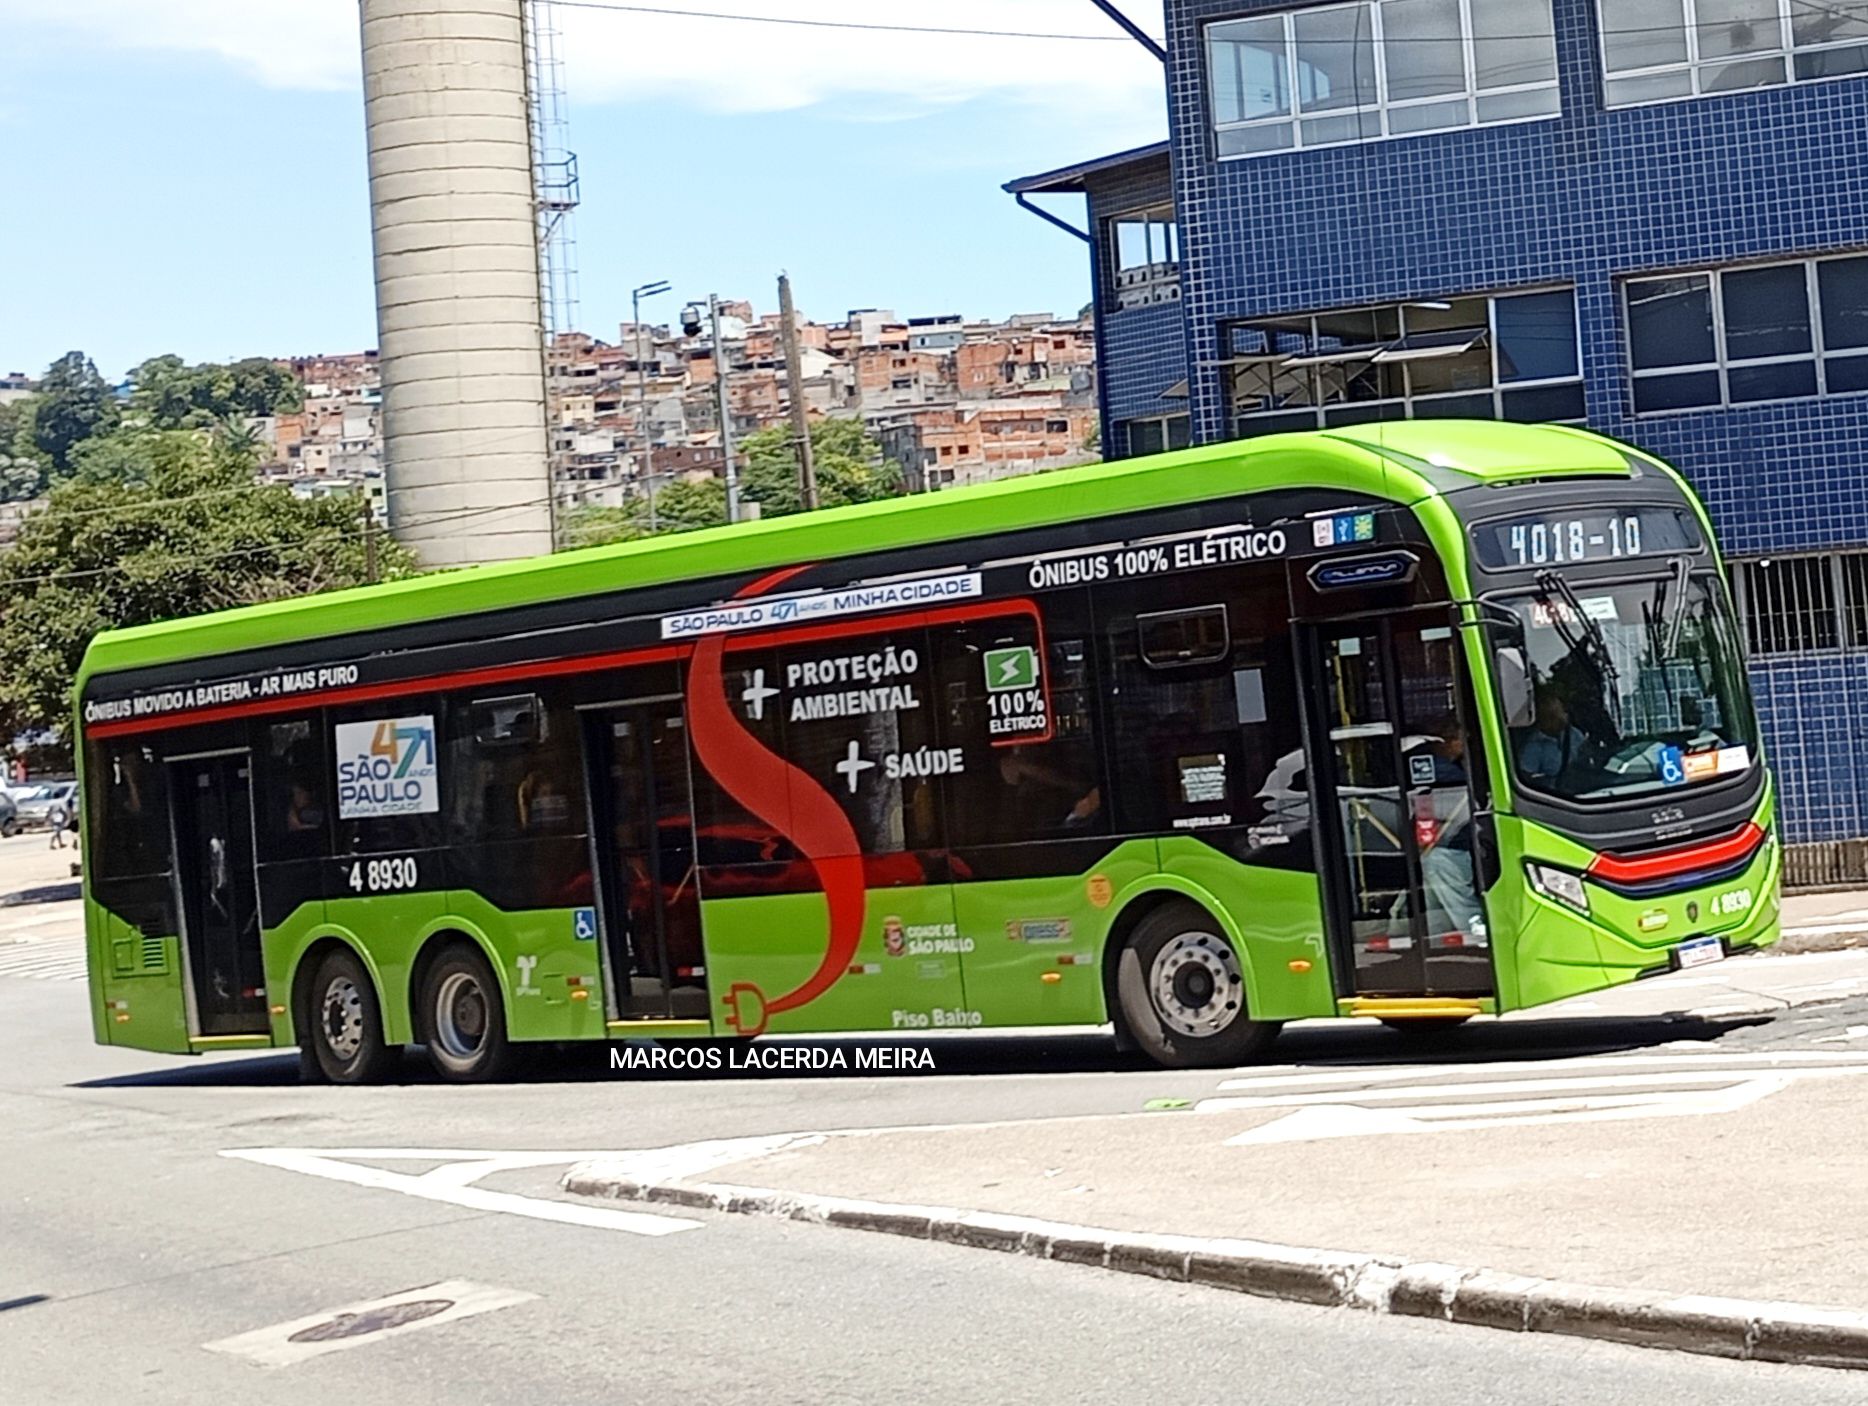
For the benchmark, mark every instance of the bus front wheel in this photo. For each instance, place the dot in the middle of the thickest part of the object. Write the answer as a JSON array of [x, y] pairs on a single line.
[[1181, 988], [463, 1018], [342, 1033]]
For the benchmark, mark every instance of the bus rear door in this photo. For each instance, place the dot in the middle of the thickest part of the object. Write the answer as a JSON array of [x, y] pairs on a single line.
[[212, 815]]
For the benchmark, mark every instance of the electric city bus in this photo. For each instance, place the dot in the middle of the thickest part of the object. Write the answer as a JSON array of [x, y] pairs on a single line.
[[1413, 721]]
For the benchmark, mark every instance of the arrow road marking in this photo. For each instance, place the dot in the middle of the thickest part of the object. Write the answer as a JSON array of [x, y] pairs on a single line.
[[453, 1182]]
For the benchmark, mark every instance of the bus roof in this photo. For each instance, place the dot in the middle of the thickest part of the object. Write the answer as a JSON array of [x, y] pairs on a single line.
[[1384, 460]]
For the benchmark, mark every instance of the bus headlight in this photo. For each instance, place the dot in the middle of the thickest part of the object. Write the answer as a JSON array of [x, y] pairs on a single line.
[[1560, 886]]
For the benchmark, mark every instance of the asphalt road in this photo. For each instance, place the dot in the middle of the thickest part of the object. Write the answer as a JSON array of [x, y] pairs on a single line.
[[128, 1243]]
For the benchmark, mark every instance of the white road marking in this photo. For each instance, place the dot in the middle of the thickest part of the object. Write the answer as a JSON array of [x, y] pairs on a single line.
[[452, 1183], [1351, 1120], [43, 961], [1287, 1076], [326, 1331], [1826, 929], [1663, 1079], [1612, 1088]]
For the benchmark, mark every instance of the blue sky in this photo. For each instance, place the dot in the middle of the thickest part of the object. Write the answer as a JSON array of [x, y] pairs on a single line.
[[190, 177]]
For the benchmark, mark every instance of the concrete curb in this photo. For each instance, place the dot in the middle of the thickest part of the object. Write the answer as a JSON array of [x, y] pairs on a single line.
[[1746, 1329]]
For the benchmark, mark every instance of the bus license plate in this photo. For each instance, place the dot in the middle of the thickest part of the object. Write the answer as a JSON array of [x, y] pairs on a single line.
[[1699, 952]]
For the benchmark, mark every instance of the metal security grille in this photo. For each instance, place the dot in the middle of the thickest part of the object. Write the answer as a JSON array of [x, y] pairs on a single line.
[[1791, 605]]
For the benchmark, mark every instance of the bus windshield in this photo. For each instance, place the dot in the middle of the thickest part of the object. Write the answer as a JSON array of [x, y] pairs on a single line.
[[1626, 689]]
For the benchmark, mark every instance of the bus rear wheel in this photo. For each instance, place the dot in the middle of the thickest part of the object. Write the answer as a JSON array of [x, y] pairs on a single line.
[[341, 1035], [463, 1018], [1181, 989]]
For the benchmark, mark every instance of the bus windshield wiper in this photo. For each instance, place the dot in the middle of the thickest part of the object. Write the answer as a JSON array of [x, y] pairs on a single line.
[[1682, 569], [1592, 643]]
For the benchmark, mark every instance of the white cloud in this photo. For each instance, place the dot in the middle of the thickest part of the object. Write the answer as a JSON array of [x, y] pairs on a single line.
[[731, 67], [304, 44], [709, 65]]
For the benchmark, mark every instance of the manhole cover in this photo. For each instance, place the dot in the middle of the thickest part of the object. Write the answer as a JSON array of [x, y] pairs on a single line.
[[374, 1320]]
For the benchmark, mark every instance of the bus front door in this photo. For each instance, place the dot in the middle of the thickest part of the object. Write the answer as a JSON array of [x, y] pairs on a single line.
[[643, 817], [218, 888], [1393, 779]]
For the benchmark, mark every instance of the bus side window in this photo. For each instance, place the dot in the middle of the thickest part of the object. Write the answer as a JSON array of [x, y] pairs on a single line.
[[386, 760], [859, 720], [514, 771], [1205, 732], [127, 810], [291, 798], [728, 835], [1020, 705]]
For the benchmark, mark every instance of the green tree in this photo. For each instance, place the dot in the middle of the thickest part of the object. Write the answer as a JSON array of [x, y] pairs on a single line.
[[849, 468], [74, 404], [848, 464], [24, 470], [158, 526], [167, 394], [681, 506]]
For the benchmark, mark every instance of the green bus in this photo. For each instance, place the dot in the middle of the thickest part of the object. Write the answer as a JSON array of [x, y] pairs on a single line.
[[1414, 721]]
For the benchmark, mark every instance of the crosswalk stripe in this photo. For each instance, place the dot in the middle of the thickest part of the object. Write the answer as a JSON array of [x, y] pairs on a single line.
[[40, 961]]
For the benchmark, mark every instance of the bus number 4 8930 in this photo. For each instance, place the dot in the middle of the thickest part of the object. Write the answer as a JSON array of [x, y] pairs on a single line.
[[383, 875]]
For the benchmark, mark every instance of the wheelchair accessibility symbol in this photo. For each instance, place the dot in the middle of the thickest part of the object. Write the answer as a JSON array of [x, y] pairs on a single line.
[[1673, 766], [584, 924]]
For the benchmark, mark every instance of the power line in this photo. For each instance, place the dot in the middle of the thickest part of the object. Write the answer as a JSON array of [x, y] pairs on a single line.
[[1318, 41], [840, 24]]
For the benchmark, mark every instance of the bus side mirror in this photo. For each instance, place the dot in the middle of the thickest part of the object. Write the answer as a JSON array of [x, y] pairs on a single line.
[[1514, 686]]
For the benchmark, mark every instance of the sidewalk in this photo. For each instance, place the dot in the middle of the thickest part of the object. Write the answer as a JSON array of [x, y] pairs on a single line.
[[39, 897], [1825, 922], [1653, 1176]]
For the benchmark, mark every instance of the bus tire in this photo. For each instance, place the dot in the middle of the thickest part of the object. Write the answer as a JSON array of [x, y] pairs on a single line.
[[1181, 989], [463, 1019], [342, 1032]]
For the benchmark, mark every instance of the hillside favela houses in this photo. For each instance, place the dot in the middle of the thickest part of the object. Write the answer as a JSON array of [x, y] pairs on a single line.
[[949, 401]]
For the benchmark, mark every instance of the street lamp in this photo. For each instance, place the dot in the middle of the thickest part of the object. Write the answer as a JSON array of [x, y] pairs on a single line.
[[636, 295], [691, 325]]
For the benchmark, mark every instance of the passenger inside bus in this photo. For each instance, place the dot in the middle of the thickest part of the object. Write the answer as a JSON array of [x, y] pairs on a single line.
[[1446, 863], [1052, 796]]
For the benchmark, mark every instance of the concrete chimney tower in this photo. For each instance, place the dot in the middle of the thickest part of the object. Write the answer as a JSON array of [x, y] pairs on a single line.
[[457, 278]]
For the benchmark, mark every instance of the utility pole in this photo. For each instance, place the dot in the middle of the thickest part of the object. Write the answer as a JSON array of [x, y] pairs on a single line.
[[647, 290], [370, 572], [726, 410], [794, 379]]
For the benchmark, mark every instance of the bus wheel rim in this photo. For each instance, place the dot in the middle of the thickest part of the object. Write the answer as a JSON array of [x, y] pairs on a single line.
[[343, 1018], [460, 1016], [1196, 984]]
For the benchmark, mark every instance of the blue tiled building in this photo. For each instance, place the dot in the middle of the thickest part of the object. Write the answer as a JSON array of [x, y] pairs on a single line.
[[1650, 216]]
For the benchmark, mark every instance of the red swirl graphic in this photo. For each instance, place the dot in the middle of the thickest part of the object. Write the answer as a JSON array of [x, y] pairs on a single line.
[[792, 803]]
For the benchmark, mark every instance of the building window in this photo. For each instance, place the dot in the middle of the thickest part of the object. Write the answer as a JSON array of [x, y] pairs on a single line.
[[1144, 252], [1735, 336], [1505, 357], [1791, 605], [1330, 74], [1158, 434], [1654, 50]]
